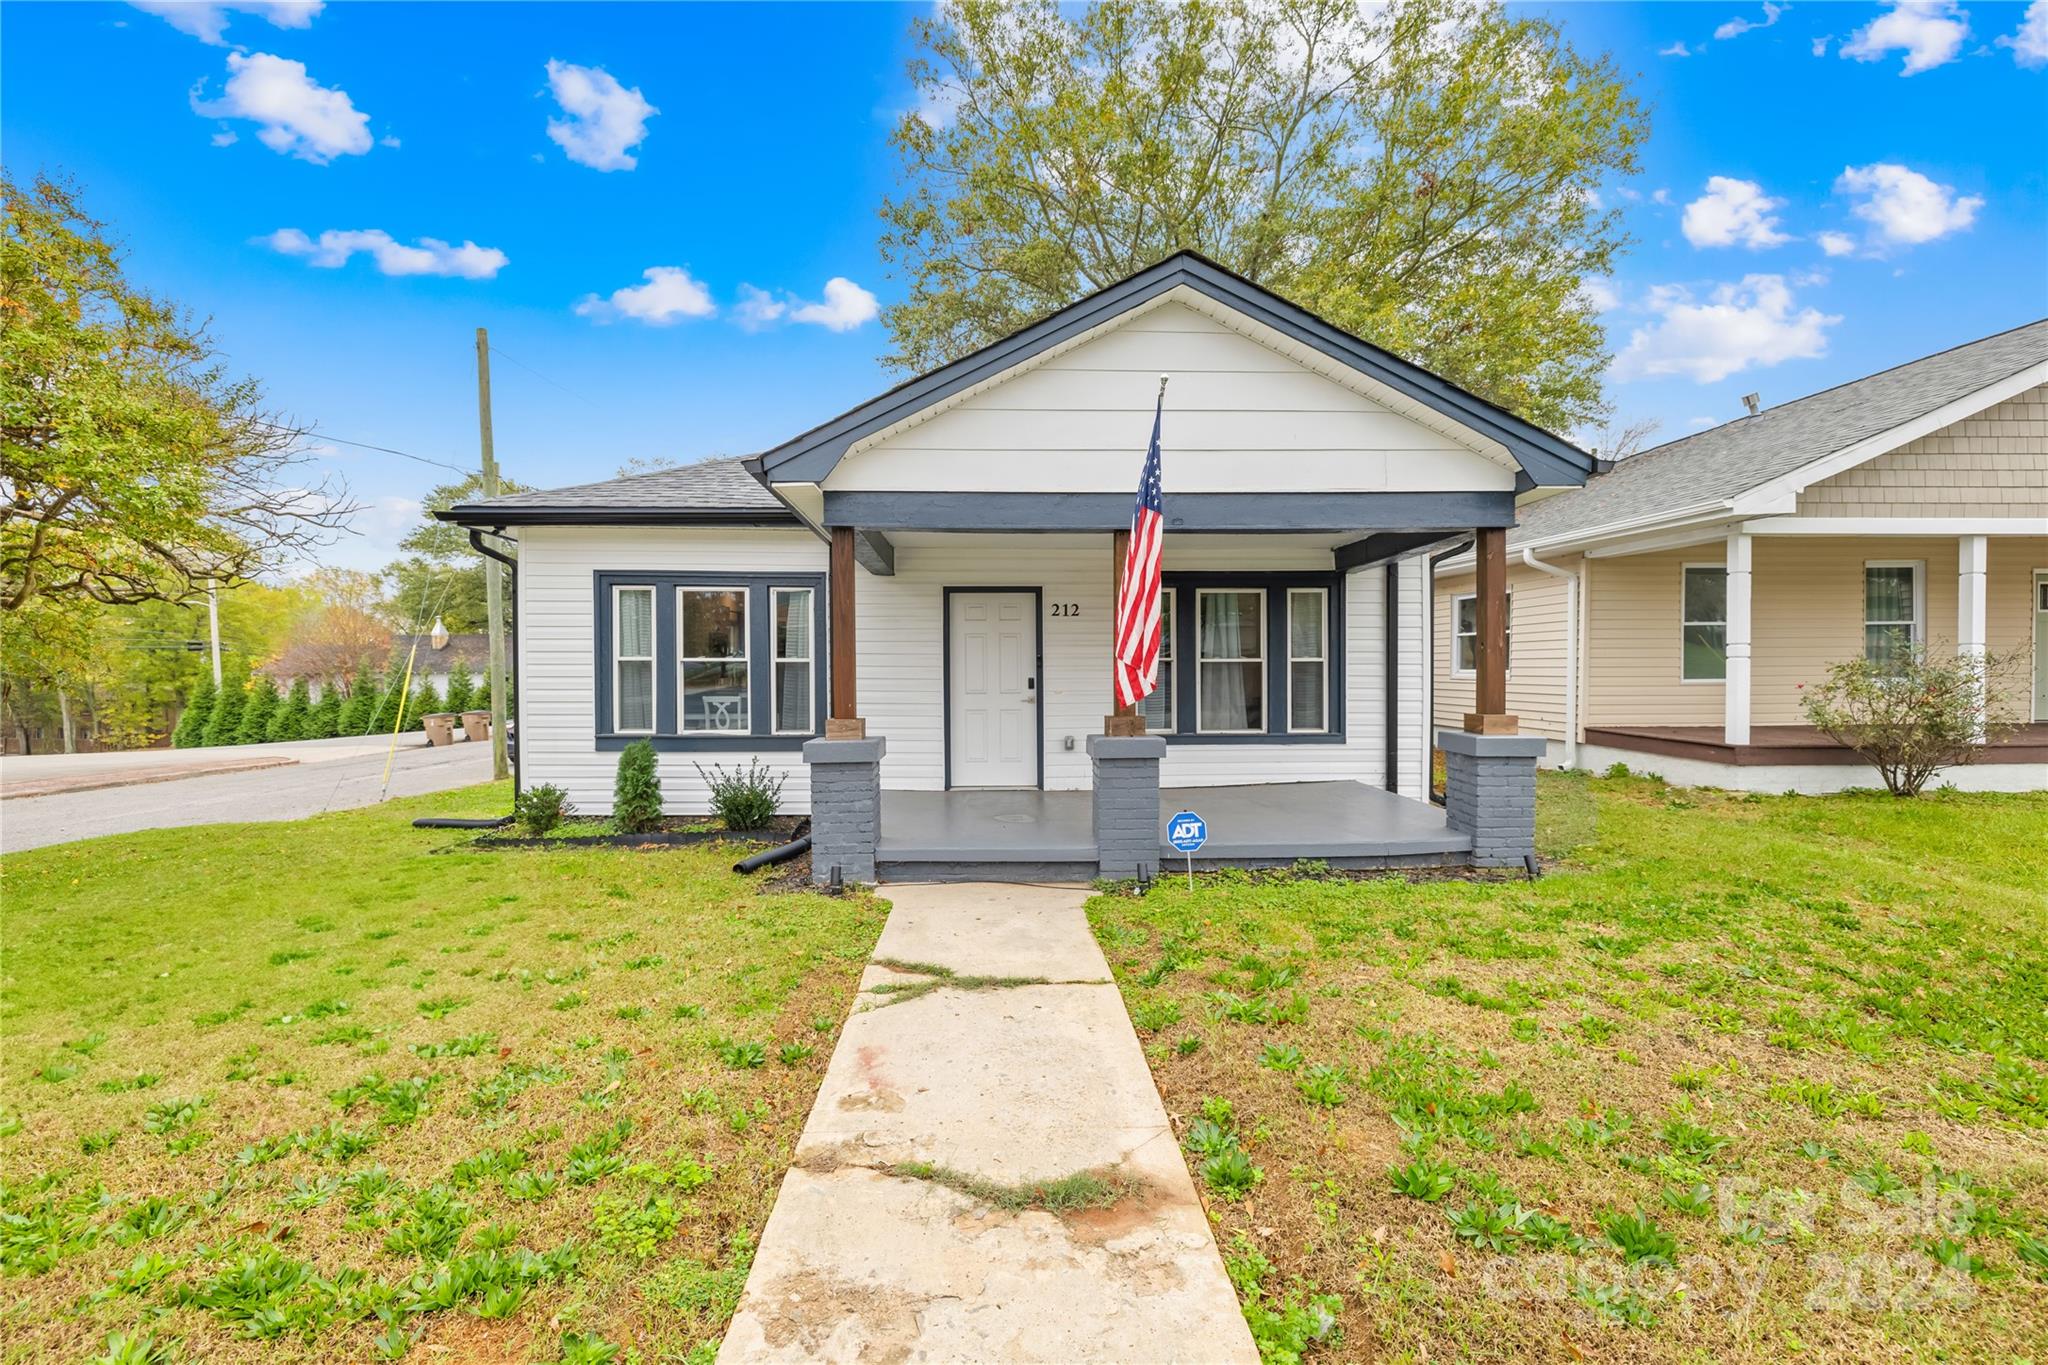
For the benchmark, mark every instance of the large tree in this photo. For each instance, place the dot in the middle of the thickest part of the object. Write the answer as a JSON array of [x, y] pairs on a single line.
[[441, 575], [133, 466], [1425, 174]]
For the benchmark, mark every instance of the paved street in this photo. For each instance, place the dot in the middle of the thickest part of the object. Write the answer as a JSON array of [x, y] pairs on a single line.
[[85, 795]]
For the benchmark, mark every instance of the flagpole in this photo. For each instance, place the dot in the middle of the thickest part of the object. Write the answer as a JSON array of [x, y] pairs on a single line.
[[1125, 719]]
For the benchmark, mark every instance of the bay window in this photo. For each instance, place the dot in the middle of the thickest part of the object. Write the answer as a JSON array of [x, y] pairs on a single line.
[[1250, 657], [633, 676], [714, 658]]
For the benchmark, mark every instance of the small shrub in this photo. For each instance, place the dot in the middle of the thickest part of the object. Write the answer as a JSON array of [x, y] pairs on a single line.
[[636, 794], [1915, 712], [540, 809], [745, 798]]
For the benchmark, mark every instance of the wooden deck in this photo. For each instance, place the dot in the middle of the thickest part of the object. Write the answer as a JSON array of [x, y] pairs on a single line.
[[1786, 744]]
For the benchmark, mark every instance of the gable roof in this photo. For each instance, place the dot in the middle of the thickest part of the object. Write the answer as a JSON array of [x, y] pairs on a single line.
[[1719, 465], [1544, 458], [714, 492]]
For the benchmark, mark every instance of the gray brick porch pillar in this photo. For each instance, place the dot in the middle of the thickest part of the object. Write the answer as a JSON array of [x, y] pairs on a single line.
[[1126, 800], [846, 807], [1490, 793]]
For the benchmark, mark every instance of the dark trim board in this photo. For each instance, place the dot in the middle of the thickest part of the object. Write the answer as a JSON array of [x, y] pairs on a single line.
[[667, 736], [811, 457], [946, 672], [486, 514], [1272, 512], [1390, 680]]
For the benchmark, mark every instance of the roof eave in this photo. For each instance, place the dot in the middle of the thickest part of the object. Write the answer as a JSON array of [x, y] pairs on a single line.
[[475, 514]]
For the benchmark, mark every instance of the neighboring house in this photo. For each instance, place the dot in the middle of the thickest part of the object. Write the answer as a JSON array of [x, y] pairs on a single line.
[[431, 664], [906, 611], [1677, 605]]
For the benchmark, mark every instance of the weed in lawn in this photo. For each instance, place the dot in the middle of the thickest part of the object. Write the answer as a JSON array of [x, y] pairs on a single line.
[[740, 1056]]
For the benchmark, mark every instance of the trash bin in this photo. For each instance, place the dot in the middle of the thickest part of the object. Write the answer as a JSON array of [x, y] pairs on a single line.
[[440, 727], [476, 724]]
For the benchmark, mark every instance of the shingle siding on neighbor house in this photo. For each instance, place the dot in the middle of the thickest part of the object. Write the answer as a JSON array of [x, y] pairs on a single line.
[[1994, 464]]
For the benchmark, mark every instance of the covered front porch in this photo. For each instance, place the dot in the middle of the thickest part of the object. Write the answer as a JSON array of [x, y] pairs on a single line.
[[1050, 836]]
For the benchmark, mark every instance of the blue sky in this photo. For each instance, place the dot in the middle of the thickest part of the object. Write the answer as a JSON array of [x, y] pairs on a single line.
[[349, 190]]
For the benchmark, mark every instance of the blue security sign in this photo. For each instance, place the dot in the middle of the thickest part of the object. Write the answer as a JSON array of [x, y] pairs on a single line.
[[1187, 831]]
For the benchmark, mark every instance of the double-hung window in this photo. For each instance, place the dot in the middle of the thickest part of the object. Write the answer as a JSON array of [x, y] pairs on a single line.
[[1705, 623], [1308, 661], [1465, 634], [794, 660], [1231, 661], [713, 627], [1158, 707], [633, 661], [709, 661], [1894, 612]]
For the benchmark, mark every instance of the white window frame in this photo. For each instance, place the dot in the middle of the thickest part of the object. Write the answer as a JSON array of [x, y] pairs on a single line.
[[1324, 659], [1456, 634], [654, 652], [745, 656], [1684, 621], [778, 658], [1919, 568], [1169, 615], [1265, 679]]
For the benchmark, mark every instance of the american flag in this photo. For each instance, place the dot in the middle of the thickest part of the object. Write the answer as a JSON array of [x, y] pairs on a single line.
[[1137, 606]]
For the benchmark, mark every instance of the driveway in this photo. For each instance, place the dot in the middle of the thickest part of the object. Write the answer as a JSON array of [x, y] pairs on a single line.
[[56, 798]]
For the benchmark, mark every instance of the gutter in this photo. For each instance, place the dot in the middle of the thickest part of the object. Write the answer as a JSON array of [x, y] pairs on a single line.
[[476, 541], [1571, 651]]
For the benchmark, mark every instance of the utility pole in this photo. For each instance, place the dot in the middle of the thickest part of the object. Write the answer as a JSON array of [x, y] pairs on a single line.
[[213, 625], [494, 598]]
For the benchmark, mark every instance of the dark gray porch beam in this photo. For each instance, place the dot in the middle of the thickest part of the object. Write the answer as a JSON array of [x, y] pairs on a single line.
[[873, 552], [1267, 512], [1382, 546]]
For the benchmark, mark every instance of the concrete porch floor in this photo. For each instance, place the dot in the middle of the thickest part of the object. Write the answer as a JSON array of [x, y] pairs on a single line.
[[1015, 835]]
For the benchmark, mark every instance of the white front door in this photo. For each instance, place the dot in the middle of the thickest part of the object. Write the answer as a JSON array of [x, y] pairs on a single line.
[[992, 702], [2041, 644]]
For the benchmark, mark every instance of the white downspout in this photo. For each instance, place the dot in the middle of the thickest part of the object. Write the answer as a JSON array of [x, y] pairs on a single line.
[[1571, 652]]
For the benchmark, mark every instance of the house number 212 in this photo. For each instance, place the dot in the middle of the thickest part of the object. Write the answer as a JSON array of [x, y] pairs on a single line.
[[1066, 609]]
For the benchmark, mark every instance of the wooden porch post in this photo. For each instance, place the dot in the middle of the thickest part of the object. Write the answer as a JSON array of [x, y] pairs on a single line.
[[1121, 720], [1490, 700], [843, 720]]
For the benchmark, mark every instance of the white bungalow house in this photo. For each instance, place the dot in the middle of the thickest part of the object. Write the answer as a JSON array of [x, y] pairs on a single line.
[[1669, 614], [906, 611]]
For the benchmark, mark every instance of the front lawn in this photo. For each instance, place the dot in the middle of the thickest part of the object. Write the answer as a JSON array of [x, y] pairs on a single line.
[[342, 1088], [1742, 1078]]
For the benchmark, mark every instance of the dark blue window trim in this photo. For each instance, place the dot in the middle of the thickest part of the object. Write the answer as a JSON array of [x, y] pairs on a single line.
[[760, 654], [1187, 629]]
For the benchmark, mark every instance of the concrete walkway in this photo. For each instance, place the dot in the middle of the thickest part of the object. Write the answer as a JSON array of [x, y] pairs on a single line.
[[873, 1253]]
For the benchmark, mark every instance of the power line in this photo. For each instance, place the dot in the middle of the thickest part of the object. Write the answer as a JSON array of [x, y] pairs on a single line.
[[541, 377], [365, 445]]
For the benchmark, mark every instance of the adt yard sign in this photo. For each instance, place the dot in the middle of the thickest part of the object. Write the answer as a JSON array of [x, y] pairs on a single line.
[[1187, 832]]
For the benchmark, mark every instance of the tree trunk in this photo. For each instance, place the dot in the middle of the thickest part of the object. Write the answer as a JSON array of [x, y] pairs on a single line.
[[64, 718]]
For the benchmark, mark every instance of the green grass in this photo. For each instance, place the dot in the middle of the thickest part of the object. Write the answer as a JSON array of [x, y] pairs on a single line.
[[1747, 1078], [301, 1091]]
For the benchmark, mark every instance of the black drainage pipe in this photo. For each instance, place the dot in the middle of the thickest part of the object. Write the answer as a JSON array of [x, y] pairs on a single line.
[[769, 857], [455, 822]]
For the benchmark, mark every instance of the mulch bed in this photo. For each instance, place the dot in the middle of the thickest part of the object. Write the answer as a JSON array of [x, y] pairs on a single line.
[[675, 832]]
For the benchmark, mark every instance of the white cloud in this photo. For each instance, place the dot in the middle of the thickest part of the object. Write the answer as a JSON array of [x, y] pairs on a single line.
[[1702, 423], [429, 256], [1735, 28], [2029, 43], [226, 137], [1929, 32], [937, 105], [1753, 323], [606, 120], [1836, 243], [670, 295], [757, 308], [1599, 294], [1903, 206], [1660, 195], [298, 116], [208, 22], [1733, 213], [1820, 44], [845, 306], [1677, 49]]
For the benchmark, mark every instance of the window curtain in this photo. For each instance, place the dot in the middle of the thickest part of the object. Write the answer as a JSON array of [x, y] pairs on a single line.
[[1230, 630]]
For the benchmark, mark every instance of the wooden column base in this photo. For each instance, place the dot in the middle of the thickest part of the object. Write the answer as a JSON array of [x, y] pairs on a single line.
[[1123, 726], [852, 727], [1477, 723]]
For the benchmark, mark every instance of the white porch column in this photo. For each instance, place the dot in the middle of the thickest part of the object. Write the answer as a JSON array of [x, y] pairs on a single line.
[[1735, 706], [1972, 557]]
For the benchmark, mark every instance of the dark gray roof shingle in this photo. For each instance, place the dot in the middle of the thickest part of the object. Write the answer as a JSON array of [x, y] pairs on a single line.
[[1726, 461], [719, 484]]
